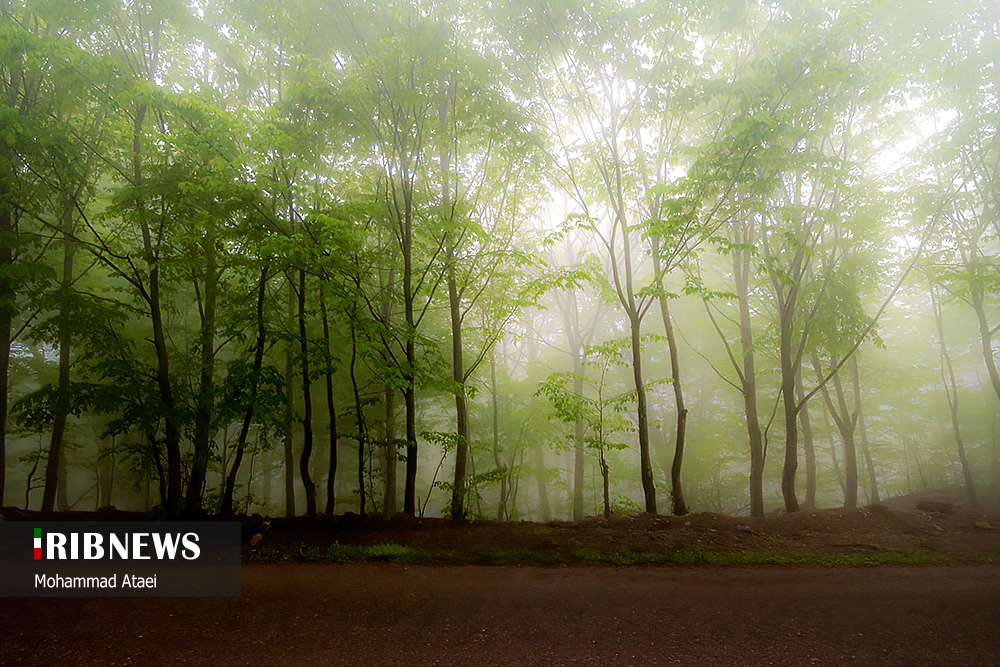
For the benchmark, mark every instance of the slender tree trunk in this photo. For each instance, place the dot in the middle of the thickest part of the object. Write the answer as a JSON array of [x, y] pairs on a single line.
[[502, 514], [57, 456], [203, 416], [267, 470], [258, 362], [605, 483], [873, 493], [846, 423], [461, 405], [458, 496], [307, 416], [741, 266], [826, 403], [389, 502], [6, 317], [331, 409], [580, 426], [543, 487], [161, 474], [152, 259], [951, 388], [985, 334], [289, 432], [642, 418], [808, 446], [410, 488], [159, 337], [8, 296], [679, 505], [788, 373], [359, 409], [410, 371], [627, 298], [579, 459], [166, 392]]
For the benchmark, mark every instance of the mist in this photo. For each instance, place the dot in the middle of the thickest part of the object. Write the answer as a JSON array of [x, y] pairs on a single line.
[[508, 263]]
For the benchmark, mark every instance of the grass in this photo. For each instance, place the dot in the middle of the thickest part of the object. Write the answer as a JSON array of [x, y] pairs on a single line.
[[386, 552], [401, 553]]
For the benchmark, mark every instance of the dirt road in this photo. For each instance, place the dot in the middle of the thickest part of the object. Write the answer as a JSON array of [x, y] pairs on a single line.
[[360, 615]]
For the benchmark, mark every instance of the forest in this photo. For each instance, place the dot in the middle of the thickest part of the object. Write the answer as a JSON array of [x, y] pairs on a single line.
[[529, 260]]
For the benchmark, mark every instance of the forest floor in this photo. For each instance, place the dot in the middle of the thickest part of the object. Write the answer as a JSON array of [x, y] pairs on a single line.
[[549, 605], [913, 530], [387, 615]]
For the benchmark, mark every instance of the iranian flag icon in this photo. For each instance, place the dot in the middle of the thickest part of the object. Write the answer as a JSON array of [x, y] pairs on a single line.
[[38, 543]]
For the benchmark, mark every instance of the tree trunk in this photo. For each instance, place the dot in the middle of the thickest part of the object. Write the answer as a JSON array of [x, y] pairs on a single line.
[[203, 415], [389, 505], [951, 386], [8, 296], [166, 392], [389, 502], [741, 266], [543, 487], [6, 317], [56, 453], [153, 299], [258, 362], [410, 370], [873, 494], [410, 485], [679, 505], [159, 337], [605, 483], [307, 415], [502, 514], [580, 427], [808, 446], [642, 420], [359, 410], [846, 422], [331, 409], [985, 335], [826, 423], [788, 373], [289, 433], [461, 405]]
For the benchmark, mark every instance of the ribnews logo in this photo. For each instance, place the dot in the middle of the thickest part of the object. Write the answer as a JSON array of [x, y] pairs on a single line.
[[120, 558], [90, 546]]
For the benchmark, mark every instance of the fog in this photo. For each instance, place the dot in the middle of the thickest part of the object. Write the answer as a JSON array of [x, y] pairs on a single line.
[[498, 263]]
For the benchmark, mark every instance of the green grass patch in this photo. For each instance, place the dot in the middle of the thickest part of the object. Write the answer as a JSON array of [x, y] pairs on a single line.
[[697, 558], [394, 553], [309, 552], [387, 552], [343, 553], [484, 555], [587, 555]]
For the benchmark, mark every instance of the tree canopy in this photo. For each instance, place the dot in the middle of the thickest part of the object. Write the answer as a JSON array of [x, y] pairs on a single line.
[[491, 257]]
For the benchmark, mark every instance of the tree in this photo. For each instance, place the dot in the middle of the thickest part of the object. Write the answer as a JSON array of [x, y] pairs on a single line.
[[609, 171], [603, 415]]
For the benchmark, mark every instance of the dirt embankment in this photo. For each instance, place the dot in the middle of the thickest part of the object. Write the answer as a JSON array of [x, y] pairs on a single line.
[[942, 531], [931, 530]]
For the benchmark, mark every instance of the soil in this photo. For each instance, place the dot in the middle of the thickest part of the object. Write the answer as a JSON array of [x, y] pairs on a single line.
[[562, 614], [927, 525], [387, 615], [941, 531]]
